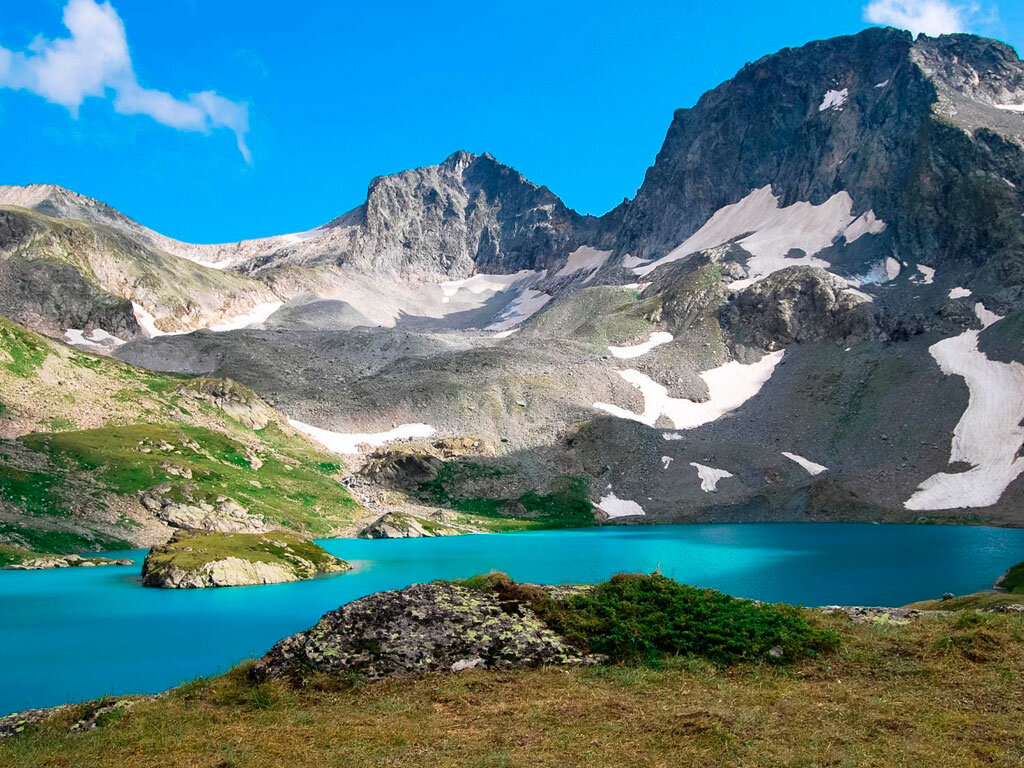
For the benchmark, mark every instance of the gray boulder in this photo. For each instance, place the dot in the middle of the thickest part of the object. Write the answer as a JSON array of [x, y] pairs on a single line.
[[423, 628]]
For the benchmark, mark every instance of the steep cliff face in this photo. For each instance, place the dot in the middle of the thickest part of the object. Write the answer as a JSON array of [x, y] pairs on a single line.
[[918, 133]]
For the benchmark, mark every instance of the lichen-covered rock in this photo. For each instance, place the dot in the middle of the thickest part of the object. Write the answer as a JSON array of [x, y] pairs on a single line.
[[395, 525], [19, 722], [196, 560], [859, 614], [423, 628]]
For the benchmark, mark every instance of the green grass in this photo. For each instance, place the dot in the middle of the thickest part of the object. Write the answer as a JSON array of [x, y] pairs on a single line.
[[565, 504], [12, 555], [208, 423], [1013, 581], [60, 541], [289, 489], [24, 350], [35, 493]]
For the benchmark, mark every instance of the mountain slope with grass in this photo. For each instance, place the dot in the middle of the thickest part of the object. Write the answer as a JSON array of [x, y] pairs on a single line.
[[98, 454]]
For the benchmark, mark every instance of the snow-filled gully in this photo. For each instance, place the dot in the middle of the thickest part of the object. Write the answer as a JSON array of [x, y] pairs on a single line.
[[988, 435]]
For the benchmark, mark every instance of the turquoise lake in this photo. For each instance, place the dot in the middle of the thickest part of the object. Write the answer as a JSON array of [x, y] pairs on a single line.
[[73, 634]]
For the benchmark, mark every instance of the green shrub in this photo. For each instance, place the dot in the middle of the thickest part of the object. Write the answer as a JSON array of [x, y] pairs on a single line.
[[640, 618], [1013, 581]]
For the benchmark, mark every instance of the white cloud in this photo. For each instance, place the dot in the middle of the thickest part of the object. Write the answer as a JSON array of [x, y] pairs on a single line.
[[95, 60], [929, 17]]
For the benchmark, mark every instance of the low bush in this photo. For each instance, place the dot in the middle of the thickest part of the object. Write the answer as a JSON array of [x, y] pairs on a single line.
[[1013, 580], [634, 617]]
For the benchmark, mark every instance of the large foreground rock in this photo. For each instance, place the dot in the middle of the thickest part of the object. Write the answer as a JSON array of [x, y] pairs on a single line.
[[425, 627], [193, 561]]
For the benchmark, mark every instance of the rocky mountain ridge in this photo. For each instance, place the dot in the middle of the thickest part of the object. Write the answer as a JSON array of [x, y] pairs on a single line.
[[810, 310]]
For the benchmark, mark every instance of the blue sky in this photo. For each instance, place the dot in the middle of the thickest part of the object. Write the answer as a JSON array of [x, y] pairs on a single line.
[[327, 95]]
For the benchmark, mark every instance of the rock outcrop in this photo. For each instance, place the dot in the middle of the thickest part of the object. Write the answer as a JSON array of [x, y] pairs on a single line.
[[397, 525], [423, 628], [796, 305], [224, 516], [194, 561], [42, 562]]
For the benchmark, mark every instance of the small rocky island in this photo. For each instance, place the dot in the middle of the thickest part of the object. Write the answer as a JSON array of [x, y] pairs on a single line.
[[194, 560], [19, 559]]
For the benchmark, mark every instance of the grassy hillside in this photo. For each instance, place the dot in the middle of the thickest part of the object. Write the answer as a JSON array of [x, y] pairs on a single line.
[[84, 438], [943, 691]]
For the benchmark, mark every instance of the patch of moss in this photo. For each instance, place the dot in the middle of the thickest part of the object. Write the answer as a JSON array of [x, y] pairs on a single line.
[[13, 555], [25, 351], [634, 617]]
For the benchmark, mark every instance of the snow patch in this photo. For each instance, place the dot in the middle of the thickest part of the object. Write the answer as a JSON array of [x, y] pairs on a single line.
[[348, 443], [481, 283], [986, 317], [709, 476], [254, 316], [505, 334], [834, 99], [1011, 107], [811, 467], [671, 436], [636, 350], [582, 259], [927, 275], [97, 338], [147, 322], [528, 303], [629, 261], [729, 387], [616, 507], [892, 268], [770, 233], [988, 435], [865, 224], [665, 461], [882, 84], [858, 294], [959, 293], [301, 237]]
